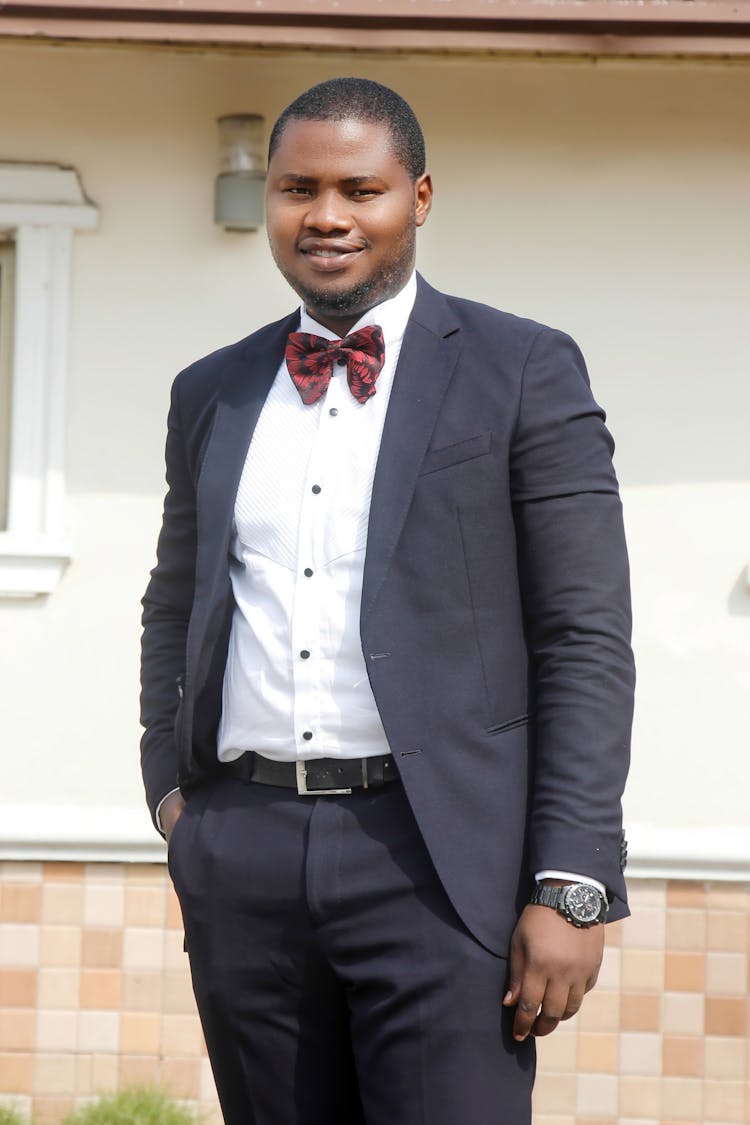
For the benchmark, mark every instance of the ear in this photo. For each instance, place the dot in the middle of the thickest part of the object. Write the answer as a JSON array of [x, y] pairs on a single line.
[[422, 198]]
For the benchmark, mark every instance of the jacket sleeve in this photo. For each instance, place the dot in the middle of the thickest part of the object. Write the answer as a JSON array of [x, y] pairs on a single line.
[[575, 587], [167, 606]]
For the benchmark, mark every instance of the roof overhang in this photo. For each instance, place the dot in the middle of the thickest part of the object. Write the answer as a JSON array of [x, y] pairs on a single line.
[[600, 27]]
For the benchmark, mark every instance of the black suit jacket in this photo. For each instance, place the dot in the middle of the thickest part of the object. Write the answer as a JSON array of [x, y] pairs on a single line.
[[495, 616]]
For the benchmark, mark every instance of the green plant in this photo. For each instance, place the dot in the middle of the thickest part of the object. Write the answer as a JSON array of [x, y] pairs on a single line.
[[139, 1106], [10, 1116]]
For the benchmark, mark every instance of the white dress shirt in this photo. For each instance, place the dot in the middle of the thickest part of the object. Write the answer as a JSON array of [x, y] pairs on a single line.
[[296, 683]]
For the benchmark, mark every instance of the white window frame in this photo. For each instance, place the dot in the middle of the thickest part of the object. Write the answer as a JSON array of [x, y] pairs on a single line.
[[7, 289], [40, 207]]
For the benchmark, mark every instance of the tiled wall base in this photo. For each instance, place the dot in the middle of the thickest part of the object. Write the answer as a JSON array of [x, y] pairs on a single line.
[[94, 989], [95, 995], [663, 1040]]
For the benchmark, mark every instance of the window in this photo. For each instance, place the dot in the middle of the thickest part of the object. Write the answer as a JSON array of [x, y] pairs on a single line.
[[40, 207], [6, 362]]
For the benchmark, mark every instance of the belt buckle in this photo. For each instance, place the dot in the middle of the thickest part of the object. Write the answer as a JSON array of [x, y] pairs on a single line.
[[302, 784]]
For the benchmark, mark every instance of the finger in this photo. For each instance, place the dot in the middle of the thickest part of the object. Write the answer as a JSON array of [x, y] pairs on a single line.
[[575, 999], [554, 1005], [553, 1009], [527, 1008], [516, 968]]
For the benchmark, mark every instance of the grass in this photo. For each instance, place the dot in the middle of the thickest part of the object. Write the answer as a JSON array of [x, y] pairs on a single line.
[[130, 1107]]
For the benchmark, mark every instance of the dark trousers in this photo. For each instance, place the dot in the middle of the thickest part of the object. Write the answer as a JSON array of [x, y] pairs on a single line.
[[335, 983]]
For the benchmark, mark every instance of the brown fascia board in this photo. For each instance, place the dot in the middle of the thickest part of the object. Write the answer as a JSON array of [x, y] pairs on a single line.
[[579, 26], [397, 11]]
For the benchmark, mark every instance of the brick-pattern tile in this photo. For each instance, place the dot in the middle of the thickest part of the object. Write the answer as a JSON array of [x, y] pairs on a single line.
[[18, 988], [682, 1054], [597, 1052], [682, 1013], [17, 1029], [95, 994], [640, 1011], [62, 903], [60, 945], [62, 872], [58, 988], [182, 1077], [16, 1071], [726, 1016], [100, 988], [20, 902], [685, 972], [724, 1058], [101, 947], [682, 895], [140, 1033], [19, 945], [640, 1096]]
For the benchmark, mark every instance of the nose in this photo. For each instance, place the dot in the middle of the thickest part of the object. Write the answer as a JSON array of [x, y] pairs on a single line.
[[328, 213]]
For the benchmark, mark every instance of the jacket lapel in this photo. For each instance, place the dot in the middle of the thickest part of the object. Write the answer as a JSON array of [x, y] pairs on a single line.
[[428, 358], [246, 382]]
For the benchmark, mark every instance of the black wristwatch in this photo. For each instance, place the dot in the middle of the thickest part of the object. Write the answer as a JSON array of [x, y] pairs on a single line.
[[579, 903]]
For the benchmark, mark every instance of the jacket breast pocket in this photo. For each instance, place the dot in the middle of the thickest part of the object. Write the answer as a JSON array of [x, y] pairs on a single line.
[[455, 454]]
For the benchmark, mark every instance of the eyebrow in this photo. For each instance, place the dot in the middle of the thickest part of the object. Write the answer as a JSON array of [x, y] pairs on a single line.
[[352, 180]]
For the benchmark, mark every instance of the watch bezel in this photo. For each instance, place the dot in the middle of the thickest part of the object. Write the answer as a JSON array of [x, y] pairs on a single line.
[[572, 906]]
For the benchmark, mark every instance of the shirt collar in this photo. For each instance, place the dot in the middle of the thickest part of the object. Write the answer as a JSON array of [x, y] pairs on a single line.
[[392, 316]]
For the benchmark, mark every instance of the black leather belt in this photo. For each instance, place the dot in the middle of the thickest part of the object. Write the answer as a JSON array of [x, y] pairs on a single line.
[[315, 777]]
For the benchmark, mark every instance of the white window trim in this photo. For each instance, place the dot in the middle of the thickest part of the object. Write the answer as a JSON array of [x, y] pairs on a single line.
[[40, 207]]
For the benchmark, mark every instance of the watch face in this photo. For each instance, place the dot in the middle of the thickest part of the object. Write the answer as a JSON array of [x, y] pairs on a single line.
[[584, 903]]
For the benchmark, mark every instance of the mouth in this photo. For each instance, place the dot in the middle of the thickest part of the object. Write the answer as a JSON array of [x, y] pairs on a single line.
[[326, 257]]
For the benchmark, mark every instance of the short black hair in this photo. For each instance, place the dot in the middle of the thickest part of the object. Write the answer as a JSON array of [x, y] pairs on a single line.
[[359, 99]]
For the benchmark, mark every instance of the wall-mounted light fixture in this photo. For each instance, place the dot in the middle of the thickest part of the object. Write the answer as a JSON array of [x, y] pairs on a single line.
[[238, 194]]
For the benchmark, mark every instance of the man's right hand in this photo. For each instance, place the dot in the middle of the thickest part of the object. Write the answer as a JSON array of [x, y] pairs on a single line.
[[169, 813]]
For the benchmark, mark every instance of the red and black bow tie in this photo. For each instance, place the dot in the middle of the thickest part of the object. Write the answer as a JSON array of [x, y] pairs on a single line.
[[310, 361]]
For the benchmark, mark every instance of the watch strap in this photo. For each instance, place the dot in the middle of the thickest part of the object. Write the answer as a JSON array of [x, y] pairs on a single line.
[[557, 899], [544, 895]]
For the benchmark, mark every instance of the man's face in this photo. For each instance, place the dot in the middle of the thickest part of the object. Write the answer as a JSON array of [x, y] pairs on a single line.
[[342, 213]]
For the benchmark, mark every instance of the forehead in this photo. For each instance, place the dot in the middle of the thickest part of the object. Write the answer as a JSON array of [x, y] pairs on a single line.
[[340, 148]]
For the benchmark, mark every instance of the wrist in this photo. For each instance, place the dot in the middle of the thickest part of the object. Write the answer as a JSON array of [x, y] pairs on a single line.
[[580, 904]]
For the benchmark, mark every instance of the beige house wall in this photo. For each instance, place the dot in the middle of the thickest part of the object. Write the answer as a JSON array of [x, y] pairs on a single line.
[[606, 198]]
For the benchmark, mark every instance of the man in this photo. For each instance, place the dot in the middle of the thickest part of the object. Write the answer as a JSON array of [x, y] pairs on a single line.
[[386, 661]]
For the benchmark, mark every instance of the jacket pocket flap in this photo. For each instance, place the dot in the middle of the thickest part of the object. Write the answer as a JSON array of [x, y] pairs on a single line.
[[509, 724], [454, 454]]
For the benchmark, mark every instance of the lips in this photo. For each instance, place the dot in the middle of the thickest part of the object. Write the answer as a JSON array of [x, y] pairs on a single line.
[[326, 256]]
